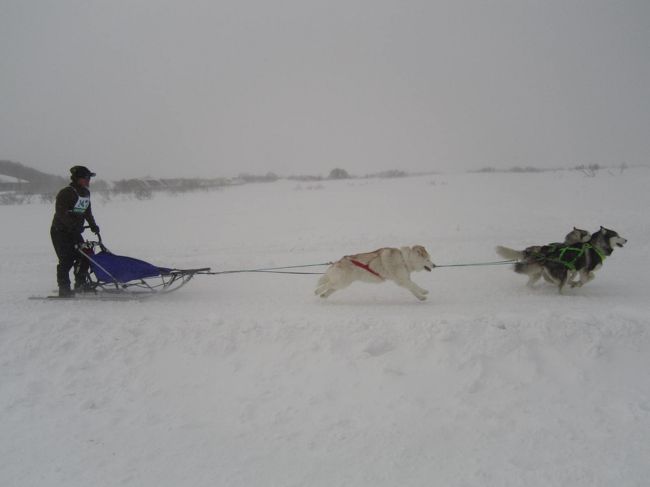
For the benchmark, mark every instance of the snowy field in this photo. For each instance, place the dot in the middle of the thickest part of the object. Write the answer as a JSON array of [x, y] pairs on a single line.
[[250, 380]]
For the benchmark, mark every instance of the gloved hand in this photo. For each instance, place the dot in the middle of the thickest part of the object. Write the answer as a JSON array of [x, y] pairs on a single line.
[[94, 229]]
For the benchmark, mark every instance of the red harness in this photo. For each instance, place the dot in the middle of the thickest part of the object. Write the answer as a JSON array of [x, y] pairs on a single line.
[[366, 267]]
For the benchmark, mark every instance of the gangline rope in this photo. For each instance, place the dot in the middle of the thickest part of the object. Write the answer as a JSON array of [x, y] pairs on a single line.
[[283, 270]]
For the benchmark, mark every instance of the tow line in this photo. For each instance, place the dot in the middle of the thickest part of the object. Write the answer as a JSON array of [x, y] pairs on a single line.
[[284, 270]]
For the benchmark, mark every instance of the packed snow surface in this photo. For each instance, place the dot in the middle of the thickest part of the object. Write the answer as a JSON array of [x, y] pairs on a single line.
[[251, 380]]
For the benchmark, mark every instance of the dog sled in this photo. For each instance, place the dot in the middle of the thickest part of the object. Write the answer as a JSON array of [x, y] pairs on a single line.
[[113, 276], [121, 277]]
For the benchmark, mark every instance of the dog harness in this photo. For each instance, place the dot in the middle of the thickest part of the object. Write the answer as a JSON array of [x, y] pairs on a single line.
[[570, 263], [366, 267]]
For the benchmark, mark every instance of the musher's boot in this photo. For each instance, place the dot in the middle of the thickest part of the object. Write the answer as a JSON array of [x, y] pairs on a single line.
[[81, 287], [66, 292]]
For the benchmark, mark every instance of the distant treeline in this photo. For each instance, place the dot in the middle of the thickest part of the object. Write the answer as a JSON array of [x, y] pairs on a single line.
[[31, 183], [590, 170], [338, 173]]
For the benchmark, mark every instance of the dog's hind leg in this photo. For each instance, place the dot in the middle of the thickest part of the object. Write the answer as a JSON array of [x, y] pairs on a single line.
[[327, 293], [562, 280], [326, 282], [323, 285], [333, 280], [552, 279], [320, 290], [548, 278], [533, 278]]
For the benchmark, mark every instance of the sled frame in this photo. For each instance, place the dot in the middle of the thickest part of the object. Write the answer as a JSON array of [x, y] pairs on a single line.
[[168, 280]]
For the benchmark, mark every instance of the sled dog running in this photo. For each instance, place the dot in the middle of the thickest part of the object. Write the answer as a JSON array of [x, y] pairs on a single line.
[[533, 254], [385, 264], [558, 264]]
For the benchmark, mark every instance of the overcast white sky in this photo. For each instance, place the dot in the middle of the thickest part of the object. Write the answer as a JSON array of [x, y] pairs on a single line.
[[214, 88]]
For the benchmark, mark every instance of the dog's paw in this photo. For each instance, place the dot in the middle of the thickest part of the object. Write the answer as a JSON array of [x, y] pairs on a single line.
[[421, 298], [327, 293]]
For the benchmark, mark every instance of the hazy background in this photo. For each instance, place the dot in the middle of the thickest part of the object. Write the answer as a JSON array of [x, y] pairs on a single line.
[[211, 88]]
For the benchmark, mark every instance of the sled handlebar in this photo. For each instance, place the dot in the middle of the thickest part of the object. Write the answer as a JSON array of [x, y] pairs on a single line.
[[87, 227]]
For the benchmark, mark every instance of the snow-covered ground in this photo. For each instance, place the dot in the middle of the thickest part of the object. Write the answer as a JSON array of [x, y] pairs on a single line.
[[251, 380]]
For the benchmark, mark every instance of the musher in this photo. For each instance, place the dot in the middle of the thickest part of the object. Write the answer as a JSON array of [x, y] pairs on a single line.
[[72, 208]]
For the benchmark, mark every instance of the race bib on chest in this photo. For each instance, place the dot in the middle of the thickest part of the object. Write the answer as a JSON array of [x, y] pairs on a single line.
[[82, 204]]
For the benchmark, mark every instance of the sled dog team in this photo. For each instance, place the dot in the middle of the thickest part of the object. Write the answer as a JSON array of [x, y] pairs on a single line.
[[579, 255]]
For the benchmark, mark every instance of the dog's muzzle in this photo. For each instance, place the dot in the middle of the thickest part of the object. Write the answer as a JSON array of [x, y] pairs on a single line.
[[428, 269]]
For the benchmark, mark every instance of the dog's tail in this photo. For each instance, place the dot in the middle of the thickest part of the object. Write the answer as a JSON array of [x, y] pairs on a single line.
[[508, 253]]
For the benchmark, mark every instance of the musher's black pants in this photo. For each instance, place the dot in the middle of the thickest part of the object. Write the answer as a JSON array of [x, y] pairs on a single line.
[[64, 246]]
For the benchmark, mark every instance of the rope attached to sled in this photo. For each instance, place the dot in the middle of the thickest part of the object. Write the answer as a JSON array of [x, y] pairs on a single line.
[[498, 262], [282, 270], [277, 270]]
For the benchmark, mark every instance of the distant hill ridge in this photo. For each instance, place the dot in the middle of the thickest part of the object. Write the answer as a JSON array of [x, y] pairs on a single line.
[[36, 180]]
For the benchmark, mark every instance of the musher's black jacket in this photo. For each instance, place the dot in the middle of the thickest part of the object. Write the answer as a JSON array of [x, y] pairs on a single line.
[[72, 208]]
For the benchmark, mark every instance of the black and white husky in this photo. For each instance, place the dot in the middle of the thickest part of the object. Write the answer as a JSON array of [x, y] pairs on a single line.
[[533, 255], [385, 264], [560, 263]]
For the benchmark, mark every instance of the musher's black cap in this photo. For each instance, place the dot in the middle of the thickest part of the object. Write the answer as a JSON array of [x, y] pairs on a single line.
[[81, 172]]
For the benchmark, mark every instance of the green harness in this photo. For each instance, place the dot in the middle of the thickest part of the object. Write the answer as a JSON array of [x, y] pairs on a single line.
[[570, 263]]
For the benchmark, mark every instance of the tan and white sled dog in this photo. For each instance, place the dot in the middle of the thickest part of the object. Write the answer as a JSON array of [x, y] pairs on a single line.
[[386, 264]]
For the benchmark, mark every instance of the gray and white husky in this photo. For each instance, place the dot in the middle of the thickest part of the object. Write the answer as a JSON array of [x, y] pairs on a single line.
[[385, 264], [560, 263]]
